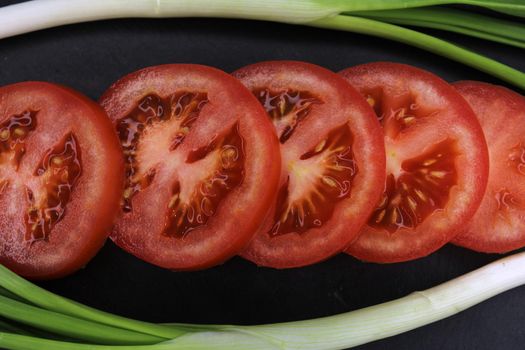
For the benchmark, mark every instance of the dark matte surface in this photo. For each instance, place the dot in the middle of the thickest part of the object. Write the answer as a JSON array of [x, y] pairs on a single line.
[[89, 57]]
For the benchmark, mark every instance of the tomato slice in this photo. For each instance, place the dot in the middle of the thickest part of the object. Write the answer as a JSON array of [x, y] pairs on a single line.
[[499, 224], [437, 162], [332, 162], [61, 176], [202, 164]]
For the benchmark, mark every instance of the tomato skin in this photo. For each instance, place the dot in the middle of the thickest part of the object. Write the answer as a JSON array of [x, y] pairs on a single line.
[[498, 225], [241, 211], [340, 104], [95, 198], [454, 119]]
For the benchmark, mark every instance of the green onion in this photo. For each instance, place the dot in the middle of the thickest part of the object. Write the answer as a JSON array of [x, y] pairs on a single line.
[[10, 295], [423, 41], [462, 22], [61, 324], [8, 327], [22, 342], [52, 302], [40, 14], [327, 333]]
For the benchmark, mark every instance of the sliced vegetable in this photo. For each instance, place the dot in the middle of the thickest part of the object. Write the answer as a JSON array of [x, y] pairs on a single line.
[[437, 162], [61, 174], [499, 224], [198, 147], [332, 162]]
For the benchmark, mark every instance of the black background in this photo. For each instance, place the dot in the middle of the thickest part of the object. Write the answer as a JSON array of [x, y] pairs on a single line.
[[89, 57]]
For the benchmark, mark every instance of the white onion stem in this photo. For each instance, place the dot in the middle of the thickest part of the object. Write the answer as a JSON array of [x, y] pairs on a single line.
[[397, 316], [40, 14]]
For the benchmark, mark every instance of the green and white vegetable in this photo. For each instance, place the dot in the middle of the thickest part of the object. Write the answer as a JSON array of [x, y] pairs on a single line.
[[344, 15], [88, 328]]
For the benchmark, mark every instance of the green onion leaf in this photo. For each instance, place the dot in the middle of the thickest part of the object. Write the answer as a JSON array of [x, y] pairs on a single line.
[[9, 327], [52, 302], [62, 324], [462, 22], [425, 42]]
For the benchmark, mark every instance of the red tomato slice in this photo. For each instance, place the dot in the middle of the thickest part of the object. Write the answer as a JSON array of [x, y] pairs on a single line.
[[202, 164], [332, 162], [437, 162], [61, 175], [499, 224]]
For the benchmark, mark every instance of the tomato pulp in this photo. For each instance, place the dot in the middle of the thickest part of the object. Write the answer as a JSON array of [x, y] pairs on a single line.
[[437, 162], [332, 162], [499, 224], [202, 164], [61, 175]]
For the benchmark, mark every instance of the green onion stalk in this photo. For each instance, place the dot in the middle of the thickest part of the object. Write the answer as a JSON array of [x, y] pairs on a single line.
[[327, 333], [346, 15]]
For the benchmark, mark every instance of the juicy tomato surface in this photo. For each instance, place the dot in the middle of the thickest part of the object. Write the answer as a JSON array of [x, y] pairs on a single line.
[[61, 177], [437, 162], [333, 162], [202, 164], [499, 223]]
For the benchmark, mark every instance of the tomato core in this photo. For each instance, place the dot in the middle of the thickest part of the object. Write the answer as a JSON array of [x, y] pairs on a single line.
[[184, 107], [224, 154], [60, 170], [227, 174], [415, 187], [316, 181], [423, 186]]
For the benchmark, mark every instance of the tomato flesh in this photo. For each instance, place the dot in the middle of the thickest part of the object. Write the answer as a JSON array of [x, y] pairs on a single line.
[[327, 171], [183, 107], [437, 162], [227, 174], [61, 176], [286, 109], [332, 162], [419, 188], [498, 225], [60, 168], [198, 147], [13, 131]]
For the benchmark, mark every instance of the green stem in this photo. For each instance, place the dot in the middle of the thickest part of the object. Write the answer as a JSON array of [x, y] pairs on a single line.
[[511, 7], [485, 27], [227, 340], [21, 342], [452, 28], [49, 301], [425, 42], [63, 325], [11, 328], [8, 294]]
